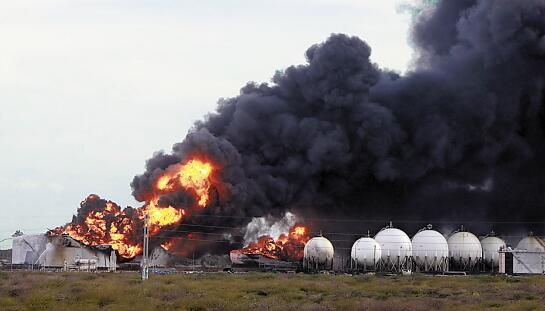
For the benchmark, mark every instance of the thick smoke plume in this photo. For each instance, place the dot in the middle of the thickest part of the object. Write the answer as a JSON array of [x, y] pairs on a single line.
[[459, 137]]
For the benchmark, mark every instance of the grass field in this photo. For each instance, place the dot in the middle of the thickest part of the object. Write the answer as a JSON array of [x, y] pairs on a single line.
[[266, 291]]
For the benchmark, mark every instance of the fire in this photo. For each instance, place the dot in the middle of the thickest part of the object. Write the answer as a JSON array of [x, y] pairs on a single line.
[[168, 245], [299, 231], [192, 175], [107, 225], [102, 222], [287, 247], [160, 217]]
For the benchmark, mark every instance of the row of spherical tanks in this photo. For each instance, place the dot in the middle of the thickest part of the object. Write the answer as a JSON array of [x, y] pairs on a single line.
[[392, 250]]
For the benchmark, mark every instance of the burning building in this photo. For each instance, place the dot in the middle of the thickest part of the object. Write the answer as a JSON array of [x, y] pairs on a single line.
[[266, 250], [100, 222]]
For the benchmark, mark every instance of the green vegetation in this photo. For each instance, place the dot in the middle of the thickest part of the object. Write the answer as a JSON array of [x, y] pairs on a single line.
[[266, 291]]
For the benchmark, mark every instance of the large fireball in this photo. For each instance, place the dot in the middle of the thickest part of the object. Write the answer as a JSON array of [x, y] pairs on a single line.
[[104, 223]]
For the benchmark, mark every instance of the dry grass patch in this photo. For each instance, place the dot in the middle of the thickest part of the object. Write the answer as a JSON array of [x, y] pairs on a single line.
[[266, 291]]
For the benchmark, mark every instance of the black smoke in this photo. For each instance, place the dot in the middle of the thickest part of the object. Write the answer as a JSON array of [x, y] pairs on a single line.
[[459, 138]]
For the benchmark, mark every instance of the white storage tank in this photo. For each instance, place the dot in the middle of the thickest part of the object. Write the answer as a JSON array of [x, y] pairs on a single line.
[[492, 245], [465, 250], [26, 249], [394, 243], [318, 254], [430, 250], [365, 254], [396, 249], [531, 243]]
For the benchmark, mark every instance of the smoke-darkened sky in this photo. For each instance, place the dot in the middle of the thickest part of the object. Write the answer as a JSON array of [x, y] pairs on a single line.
[[457, 139], [90, 90]]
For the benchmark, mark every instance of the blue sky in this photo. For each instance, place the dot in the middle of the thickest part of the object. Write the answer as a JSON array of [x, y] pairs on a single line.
[[90, 89]]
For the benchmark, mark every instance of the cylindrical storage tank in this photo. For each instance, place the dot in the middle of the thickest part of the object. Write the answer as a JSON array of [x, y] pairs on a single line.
[[531, 243], [491, 251], [465, 251], [396, 249], [430, 250], [26, 249], [318, 254], [366, 253]]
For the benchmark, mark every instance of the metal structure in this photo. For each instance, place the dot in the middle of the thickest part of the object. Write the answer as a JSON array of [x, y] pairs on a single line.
[[531, 243], [430, 251], [64, 251], [396, 249], [465, 251], [61, 252], [492, 245], [390, 250], [145, 251], [365, 254], [514, 261], [318, 254], [26, 249]]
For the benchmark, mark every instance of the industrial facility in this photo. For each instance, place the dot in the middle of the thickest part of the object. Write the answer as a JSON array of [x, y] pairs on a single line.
[[392, 251], [527, 258], [389, 251], [62, 252]]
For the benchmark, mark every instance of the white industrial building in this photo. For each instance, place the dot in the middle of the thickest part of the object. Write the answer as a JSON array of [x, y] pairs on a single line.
[[26, 249], [61, 252], [513, 261], [527, 258]]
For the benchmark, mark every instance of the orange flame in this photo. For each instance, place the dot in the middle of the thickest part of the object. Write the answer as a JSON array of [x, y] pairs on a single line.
[[287, 247], [160, 217], [192, 175], [111, 226], [167, 245]]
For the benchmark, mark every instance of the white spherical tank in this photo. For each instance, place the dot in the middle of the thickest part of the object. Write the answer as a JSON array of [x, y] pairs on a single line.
[[319, 252], [491, 247], [366, 252], [394, 243], [464, 246], [531, 243], [429, 244]]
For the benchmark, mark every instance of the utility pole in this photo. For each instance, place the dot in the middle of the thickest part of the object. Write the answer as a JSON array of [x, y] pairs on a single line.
[[145, 253]]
